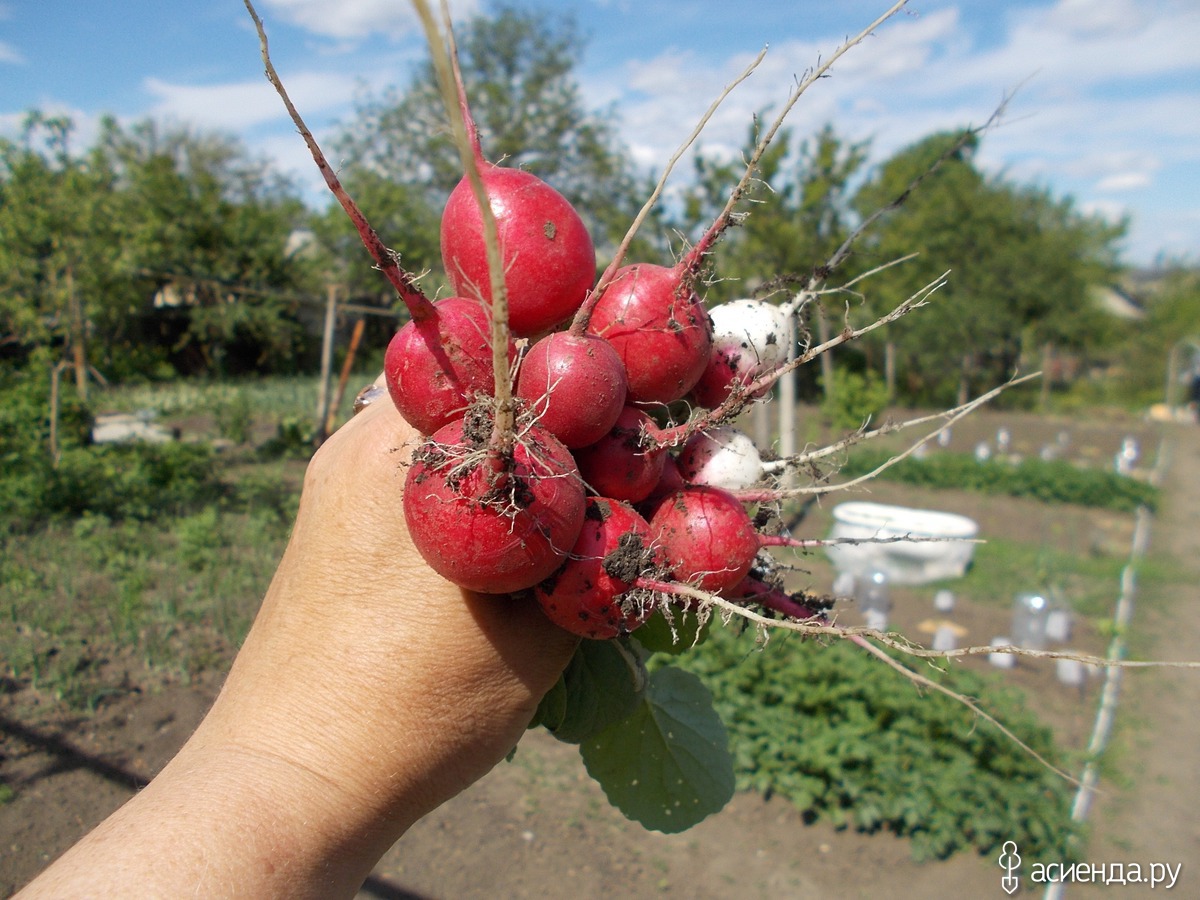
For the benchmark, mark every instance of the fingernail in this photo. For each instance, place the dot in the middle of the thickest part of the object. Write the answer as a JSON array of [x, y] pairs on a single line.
[[367, 396]]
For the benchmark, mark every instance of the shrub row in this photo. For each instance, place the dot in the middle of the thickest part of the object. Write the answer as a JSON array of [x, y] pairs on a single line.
[[1055, 481], [844, 738]]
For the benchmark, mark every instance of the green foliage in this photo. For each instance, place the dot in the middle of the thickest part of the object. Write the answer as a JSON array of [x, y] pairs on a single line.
[[139, 481], [667, 765], [131, 481], [88, 240], [25, 414], [79, 595], [1000, 569], [598, 689], [1021, 264], [653, 741], [1054, 481], [837, 734], [855, 398], [518, 67], [235, 418], [1168, 337], [293, 439]]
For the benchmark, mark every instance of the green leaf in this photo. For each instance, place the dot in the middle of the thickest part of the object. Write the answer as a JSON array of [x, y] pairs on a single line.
[[600, 687], [683, 633], [667, 765]]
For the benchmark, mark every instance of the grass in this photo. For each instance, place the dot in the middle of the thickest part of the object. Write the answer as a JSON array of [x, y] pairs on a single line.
[[91, 603], [1003, 568], [80, 596]]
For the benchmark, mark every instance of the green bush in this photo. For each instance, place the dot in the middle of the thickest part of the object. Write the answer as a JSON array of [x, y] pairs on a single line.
[[844, 738], [139, 481], [25, 415], [127, 481], [1055, 481], [856, 398]]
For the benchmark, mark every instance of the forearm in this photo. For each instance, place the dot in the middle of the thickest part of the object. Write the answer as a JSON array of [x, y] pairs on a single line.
[[219, 825]]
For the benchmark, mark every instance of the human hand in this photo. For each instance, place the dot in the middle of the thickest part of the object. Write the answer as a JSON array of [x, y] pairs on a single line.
[[368, 691]]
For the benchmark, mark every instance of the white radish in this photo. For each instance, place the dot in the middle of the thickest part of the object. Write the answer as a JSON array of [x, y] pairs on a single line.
[[749, 339], [721, 457]]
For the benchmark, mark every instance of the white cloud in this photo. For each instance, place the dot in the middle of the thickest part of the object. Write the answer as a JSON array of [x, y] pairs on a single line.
[[1124, 181], [1109, 210], [239, 105], [350, 19], [1097, 18], [10, 54], [1099, 105]]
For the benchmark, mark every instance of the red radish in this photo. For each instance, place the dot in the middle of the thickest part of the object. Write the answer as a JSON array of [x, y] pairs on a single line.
[[485, 525], [723, 457], [707, 536], [658, 326], [669, 483], [589, 596], [749, 339], [549, 259], [547, 255], [619, 465], [575, 386], [434, 367]]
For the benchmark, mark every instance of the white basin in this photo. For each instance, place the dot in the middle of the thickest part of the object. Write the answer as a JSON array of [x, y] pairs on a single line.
[[915, 561]]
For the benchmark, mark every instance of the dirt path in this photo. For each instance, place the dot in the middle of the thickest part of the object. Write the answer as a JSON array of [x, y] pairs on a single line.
[[1155, 819]]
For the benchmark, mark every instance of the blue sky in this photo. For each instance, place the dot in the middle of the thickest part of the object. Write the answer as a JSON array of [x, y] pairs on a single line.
[[1106, 106]]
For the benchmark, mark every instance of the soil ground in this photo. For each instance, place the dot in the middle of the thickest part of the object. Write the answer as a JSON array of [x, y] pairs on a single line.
[[540, 827]]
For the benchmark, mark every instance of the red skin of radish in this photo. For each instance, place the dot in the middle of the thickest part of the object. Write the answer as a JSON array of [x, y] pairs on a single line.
[[575, 386], [549, 258], [707, 536], [490, 547], [435, 367], [669, 483], [725, 368], [659, 328], [617, 466], [584, 596]]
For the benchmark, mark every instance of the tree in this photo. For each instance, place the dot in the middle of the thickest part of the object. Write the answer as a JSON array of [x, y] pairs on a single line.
[[197, 212], [87, 241], [796, 216], [1021, 264], [1166, 344], [58, 243], [518, 69]]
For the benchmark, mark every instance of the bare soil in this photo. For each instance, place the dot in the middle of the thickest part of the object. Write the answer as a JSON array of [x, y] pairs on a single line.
[[538, 826]]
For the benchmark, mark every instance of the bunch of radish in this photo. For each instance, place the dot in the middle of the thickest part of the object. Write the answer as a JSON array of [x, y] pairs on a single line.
[[578, 445], [552, 461]]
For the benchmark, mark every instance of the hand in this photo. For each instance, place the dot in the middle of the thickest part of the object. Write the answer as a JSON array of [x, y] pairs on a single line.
[[368, 692]]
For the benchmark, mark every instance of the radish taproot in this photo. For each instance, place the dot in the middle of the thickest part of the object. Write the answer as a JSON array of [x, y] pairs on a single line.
[[750, 338], [547, 255], [549, 258], [435, 366], [723, 457], [707, 536], [575, 386], [657, 324], [622, 465], [490, 524], [592, 594]]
